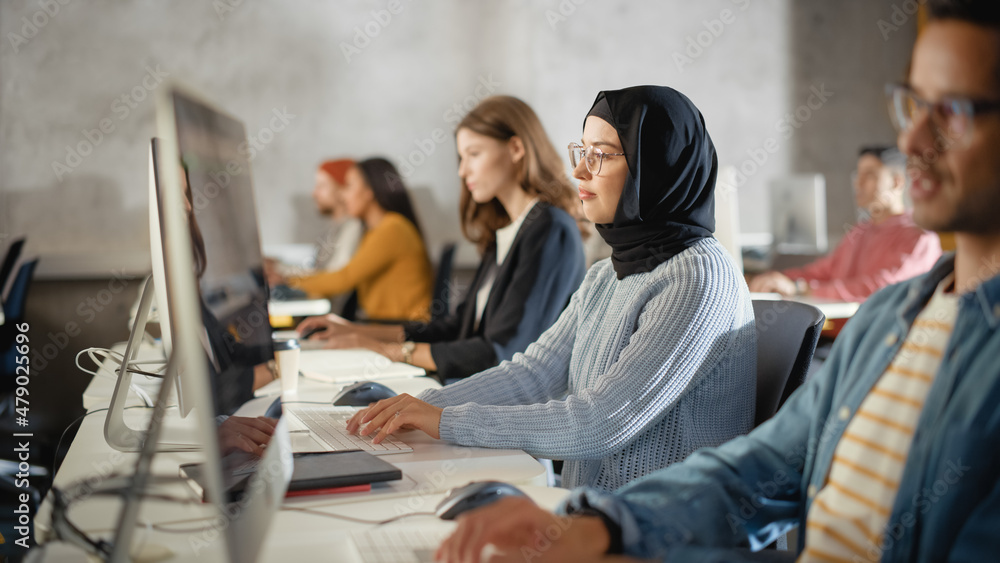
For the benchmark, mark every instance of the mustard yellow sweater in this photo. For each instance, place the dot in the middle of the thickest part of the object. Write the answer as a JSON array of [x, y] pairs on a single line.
[[390, 272]]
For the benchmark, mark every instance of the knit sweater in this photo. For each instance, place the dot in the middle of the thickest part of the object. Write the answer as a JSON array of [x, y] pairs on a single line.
[[390, 272], [634, 375]]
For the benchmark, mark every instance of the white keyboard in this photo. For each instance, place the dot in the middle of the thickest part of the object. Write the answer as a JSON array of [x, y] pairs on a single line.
[[328, 426], [412, 544]]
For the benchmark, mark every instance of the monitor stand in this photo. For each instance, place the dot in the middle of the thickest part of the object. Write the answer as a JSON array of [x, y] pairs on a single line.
[[120, 550], [117, 432]]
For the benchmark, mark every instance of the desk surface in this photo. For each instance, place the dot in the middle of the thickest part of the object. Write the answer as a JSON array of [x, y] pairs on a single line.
[[298, 307], [834, 310], [431, 469]]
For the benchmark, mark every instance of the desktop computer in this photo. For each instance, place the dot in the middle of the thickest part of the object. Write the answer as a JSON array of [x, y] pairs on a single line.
[[217, 308], [798, 214]]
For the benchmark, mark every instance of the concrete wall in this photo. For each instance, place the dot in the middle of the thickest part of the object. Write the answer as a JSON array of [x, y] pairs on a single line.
[[356, 95]]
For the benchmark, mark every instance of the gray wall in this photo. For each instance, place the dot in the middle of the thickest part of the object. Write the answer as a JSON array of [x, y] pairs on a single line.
[[396, 90]]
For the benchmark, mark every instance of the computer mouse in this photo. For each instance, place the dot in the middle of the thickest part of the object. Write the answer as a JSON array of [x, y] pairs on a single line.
[[472, 496], [362, 394], [308, 334]]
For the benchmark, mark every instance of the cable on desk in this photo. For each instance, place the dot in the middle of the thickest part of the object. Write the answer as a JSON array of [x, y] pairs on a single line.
[[55, 454], [118, 358], [353, 519]]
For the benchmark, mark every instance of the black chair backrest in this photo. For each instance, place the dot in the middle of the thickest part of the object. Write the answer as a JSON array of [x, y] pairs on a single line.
[[14, 305], [787, 333], [441, 299], [13, 253]]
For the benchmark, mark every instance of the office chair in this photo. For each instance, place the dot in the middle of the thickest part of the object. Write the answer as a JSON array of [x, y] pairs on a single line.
[[13, 315], [13, 253], [787, 333], [441, 298]]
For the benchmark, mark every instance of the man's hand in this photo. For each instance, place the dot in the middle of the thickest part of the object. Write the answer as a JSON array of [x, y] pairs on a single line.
[[519, 530], [402, 412], [773, 282]]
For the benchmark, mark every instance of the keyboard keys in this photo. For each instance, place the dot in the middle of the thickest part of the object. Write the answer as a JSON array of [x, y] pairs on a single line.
[[411, 544], [329, 426]]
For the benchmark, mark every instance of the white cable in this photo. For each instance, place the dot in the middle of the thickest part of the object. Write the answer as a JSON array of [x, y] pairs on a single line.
[[99, 355]]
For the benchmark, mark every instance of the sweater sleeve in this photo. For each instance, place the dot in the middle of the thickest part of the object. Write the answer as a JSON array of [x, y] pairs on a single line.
[[681, 334], [549, 269], [378, 249], [539, 374]]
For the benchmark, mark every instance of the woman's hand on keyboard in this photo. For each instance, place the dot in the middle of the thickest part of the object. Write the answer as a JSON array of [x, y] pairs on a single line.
[[402, 412]]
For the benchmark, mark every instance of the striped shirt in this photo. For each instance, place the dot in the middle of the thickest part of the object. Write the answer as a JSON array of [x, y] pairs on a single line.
[[848, 518]]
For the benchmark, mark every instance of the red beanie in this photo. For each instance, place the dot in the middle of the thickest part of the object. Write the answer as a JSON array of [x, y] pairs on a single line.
[[337, 169]]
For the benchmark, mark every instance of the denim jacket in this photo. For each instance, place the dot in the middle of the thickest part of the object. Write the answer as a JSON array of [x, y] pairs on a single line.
[[753, 488]]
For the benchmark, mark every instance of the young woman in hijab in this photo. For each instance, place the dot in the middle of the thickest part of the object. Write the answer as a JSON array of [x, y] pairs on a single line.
[[390, 270], [655, 356], [516, 205]]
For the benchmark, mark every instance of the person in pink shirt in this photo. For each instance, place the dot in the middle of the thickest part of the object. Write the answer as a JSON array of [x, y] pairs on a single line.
[[884, 248]]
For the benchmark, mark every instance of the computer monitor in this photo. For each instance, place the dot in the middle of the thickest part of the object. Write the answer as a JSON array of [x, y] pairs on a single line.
[[217, 305], [798, 214], [117, 432]]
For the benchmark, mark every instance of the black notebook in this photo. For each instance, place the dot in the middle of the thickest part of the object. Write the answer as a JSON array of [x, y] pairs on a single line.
[[314, 470]]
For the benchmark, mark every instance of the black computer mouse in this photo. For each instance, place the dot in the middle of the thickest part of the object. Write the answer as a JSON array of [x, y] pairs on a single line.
[[362, 394], [472, 496]]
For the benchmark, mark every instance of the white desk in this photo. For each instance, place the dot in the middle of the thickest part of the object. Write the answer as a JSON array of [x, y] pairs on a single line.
[[432, 468], [298, 307]]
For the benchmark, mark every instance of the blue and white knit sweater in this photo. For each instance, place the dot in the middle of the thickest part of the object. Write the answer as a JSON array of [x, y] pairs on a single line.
[[634, 375]]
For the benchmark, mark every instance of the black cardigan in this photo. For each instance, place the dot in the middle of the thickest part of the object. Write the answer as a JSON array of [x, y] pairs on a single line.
[[543, 268]]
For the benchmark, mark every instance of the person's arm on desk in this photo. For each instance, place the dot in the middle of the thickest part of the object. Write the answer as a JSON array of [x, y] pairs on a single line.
[[519, 530], [339, 333]]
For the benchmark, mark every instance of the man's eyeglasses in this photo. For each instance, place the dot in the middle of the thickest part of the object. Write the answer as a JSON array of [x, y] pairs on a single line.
[[592, 156], [951, 118]]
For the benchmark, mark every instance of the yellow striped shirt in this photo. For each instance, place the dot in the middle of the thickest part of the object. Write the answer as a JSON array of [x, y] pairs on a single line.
[[849, 515]]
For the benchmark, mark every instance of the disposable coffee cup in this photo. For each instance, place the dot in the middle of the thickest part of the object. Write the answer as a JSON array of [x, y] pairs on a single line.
[[286, 354]]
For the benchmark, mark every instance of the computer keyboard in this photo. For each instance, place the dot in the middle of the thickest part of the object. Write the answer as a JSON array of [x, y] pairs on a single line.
[[328, 426], [412, 544]]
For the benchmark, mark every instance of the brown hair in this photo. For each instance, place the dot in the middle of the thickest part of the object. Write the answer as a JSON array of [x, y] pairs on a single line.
[[541, 172]]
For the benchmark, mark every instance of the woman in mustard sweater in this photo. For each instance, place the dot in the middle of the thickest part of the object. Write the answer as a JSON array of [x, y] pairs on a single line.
[[390, 270]]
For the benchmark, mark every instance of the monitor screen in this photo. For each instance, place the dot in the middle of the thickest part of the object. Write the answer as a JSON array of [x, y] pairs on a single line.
[[215, 171], [217, 303]]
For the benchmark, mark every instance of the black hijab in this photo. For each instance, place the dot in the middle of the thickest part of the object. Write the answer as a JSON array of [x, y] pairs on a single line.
[[668, 202]]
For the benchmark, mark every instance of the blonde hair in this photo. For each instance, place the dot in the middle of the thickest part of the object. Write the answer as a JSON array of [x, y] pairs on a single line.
[[541, 170]]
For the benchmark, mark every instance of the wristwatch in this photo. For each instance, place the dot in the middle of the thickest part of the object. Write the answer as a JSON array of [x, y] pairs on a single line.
[[408, 348], [272, 366]]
